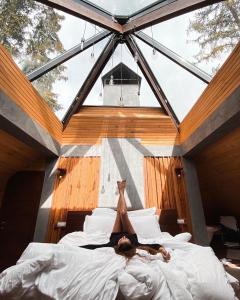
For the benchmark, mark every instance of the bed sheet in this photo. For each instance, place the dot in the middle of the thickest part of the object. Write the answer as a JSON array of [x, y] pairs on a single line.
[[64, 271]]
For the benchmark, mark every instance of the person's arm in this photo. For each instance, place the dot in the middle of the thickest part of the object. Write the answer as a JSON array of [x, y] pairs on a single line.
[[166, 255], [92, 246], [153, 246]]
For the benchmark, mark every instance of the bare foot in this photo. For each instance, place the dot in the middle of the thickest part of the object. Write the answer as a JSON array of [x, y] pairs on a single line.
[[121, 185]]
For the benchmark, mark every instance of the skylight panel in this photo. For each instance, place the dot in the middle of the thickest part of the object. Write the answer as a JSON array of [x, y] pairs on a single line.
[[181, 88], [76, 71], [123, 7], [174, 35]]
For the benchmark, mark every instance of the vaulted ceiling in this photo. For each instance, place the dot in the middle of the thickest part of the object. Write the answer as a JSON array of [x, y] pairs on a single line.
[[122, 25]]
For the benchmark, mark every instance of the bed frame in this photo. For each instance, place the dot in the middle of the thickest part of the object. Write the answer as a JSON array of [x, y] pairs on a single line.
[[167, 221]]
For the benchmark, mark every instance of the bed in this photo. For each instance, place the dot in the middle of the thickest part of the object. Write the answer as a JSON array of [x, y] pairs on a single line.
[[66, 271]]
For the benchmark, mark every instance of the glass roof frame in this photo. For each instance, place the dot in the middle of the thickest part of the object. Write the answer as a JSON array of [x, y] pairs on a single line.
[[123, 34], [134, 14]]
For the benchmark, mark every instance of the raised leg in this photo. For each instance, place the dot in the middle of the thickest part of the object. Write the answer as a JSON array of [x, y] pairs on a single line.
[[117, 227], [126, 224]]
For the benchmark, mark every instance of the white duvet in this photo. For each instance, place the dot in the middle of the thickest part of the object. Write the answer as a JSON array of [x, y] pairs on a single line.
[[65, 271]]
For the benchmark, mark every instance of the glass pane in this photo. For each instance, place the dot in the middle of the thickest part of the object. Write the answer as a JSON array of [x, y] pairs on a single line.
[[123, 7], [181, 87], [76, 71], [137, 94], [175, 35], [73, 29], [42, 33]]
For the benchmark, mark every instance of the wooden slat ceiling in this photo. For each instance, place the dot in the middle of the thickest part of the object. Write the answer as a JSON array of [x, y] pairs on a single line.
[[16, 85], [93, 123], [222, 85]]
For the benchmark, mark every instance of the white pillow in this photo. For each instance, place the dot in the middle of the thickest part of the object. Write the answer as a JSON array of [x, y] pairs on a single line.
[[95, 224], [144, 226], [103, 211], [142, 212]]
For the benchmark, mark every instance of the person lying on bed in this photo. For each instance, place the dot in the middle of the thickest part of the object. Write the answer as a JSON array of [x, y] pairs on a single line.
[[124, 239]]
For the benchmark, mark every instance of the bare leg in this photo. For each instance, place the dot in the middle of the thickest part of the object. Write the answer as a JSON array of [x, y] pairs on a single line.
[[117, 227], [126, 224]]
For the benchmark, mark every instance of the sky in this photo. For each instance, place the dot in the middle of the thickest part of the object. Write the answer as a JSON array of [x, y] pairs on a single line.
[[181, 88]]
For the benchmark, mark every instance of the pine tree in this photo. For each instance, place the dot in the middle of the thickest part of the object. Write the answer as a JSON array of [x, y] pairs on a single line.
[[29, 30], [218, 29]]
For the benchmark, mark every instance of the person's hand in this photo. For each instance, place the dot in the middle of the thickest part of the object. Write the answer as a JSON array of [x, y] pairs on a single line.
[[166, 255]]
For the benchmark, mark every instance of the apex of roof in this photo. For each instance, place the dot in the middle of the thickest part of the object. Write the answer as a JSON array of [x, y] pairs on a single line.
[[121, 74]]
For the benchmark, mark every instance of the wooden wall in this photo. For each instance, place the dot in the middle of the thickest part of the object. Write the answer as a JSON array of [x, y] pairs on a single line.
[[218, 168], [77, 190], [222, 85], [16, 85], [93, 123], [163, 188], [15, 156], [18, 215]]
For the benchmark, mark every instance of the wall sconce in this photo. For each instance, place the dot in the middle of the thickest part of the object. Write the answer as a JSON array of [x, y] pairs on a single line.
[[61, 173], [179, 172]]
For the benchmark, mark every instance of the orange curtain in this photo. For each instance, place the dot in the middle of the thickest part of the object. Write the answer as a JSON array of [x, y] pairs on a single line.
[[76, 190], [165, 186]]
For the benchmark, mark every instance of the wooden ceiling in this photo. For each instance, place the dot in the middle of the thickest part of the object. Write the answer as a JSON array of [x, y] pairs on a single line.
[[92, 124]]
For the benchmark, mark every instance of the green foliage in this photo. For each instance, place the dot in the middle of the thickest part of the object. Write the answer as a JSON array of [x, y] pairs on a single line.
[[218, 29], [30, 32]]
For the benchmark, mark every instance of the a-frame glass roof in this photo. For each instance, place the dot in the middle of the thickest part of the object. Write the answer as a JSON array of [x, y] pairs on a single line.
[[170, 78]]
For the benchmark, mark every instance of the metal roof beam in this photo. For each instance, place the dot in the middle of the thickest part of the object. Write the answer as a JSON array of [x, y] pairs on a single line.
[[161, 12], [85, 11], [151, 79], [174, 57], [91, 78], [35, 74]]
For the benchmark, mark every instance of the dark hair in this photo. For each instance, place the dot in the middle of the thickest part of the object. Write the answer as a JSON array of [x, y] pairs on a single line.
[[128, 250]]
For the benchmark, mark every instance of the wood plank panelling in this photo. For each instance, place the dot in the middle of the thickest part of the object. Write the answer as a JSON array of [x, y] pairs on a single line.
[[93, 123], [15, 156], [77, 190], [16, 85], [218, 168], [222, 85], [18, 214], [163, 188]]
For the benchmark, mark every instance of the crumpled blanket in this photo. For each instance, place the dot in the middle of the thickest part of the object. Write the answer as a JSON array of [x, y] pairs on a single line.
[[62, 271]]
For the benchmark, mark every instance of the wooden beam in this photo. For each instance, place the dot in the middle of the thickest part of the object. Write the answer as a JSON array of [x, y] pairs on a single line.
[[162, 13], [151, 79], [35, 74], [174, 57], [92, 78], [85, 11]]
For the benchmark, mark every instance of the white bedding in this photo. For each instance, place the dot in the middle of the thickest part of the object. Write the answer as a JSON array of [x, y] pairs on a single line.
[[64, 271]]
